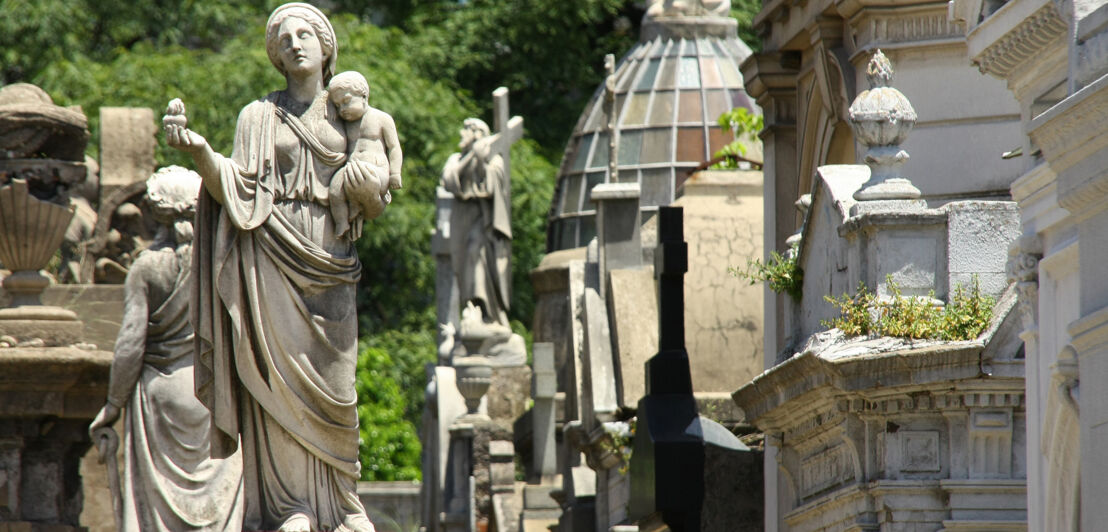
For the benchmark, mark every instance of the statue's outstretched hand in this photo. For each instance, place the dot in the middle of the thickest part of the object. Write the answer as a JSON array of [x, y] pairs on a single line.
[[177, 135]]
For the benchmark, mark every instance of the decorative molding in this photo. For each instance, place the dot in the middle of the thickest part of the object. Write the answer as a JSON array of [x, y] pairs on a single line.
[[1063, 135], [919, 451], [1023, 270], [882, 27], [826, 469], [1021, 43]]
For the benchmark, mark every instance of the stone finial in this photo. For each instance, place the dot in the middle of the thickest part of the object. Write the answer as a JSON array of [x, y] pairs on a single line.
[[881, 118], [879, 72]]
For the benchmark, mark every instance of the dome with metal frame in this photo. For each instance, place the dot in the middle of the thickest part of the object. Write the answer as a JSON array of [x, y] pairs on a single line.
[[670, 90]]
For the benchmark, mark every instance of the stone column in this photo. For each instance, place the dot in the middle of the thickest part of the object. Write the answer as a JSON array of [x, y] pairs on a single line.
[[618, 222], [770, 78], [539, 508], [543, 388], [446, 287]]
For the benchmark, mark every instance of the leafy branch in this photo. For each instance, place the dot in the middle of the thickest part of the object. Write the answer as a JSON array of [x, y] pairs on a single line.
[[783, 273], [743, 125]]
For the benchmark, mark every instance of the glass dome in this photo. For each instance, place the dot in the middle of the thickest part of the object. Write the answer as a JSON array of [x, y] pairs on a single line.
[[670, 91]]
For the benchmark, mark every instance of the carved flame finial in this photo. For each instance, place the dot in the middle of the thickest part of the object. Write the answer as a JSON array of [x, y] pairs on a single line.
[[880, 71]]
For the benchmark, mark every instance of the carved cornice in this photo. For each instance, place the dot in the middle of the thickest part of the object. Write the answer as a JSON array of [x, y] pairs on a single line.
[[1090, 333], [769, 400], [878, 26], [1069, 139], [772, 85], [1024, 41]]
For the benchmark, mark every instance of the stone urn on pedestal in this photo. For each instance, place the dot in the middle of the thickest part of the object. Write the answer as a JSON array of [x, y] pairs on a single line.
[[51, 385], [41, 156], [474, 375], [881, 118]]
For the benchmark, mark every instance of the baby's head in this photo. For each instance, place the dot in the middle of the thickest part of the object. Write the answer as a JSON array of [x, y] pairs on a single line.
[[349, 91]]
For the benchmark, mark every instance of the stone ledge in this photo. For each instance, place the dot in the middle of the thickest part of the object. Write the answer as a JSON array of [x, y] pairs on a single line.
[[1013, 35], [1077, 159], [53, 381]]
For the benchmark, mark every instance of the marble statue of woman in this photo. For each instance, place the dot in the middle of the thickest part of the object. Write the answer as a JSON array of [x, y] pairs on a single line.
[[276, 325], [170, 484]]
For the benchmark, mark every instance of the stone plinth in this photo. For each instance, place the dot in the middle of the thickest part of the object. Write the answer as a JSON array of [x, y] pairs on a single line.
[[126, 147], [47, 398]]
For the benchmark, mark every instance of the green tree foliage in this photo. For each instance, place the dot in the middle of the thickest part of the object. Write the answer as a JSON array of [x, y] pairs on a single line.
[[388, 446], [550, 54]]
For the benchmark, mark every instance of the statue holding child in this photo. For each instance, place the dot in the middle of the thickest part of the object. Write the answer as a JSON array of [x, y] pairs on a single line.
[[275, 273]]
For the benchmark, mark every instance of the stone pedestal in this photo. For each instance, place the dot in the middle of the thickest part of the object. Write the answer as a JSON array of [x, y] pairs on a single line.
[[47, 398]]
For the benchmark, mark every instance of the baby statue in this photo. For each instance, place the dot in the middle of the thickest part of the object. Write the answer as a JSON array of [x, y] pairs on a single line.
[[372, 143]]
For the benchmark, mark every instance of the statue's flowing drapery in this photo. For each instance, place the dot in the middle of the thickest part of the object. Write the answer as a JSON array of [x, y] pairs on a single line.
[[276, 323], [481, 215], [170, 481]]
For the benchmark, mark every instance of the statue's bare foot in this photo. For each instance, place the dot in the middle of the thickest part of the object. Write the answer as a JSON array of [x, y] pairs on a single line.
[[298, 522]]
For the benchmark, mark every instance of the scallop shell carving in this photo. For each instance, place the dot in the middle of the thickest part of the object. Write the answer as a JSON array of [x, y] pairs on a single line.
[[30, 230]]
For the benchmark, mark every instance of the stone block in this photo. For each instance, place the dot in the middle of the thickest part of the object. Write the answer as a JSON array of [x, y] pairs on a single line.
[[509, 392], [633, 308], [978, 236], [538, 497], [126, 146], [600, 398], [618, 221], [391, 504]]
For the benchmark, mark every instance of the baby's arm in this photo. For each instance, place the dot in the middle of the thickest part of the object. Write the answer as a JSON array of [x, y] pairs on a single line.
[[392, 146]]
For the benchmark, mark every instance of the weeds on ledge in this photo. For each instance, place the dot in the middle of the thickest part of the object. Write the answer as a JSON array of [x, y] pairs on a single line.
[[784, 274], [965, 317]]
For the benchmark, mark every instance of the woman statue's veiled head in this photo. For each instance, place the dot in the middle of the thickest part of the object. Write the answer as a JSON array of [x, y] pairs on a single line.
[[319, 23]]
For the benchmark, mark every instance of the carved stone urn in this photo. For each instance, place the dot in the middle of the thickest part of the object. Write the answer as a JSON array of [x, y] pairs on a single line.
[[41, 155], [881, 118], [474, 375]]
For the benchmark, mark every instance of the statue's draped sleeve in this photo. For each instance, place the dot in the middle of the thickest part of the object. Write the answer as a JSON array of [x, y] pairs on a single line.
[[247, 202]]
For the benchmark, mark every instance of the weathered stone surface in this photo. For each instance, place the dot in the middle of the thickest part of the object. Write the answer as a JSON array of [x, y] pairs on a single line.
[[392, 506], [239, 215], [33, 127], [509, 392], [633, 307], [723, 317], [126, 146]]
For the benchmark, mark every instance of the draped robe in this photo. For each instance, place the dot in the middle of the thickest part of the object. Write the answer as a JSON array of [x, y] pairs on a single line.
[[481, 220], [170, 483], [276, 322]]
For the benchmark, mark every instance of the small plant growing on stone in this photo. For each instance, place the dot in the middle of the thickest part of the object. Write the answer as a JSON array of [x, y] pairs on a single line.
[[783, 273], [968, 313], [965, 317], [854, 312]]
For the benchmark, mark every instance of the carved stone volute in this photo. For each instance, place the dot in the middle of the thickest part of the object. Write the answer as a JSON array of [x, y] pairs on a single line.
[[1023, 270]]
